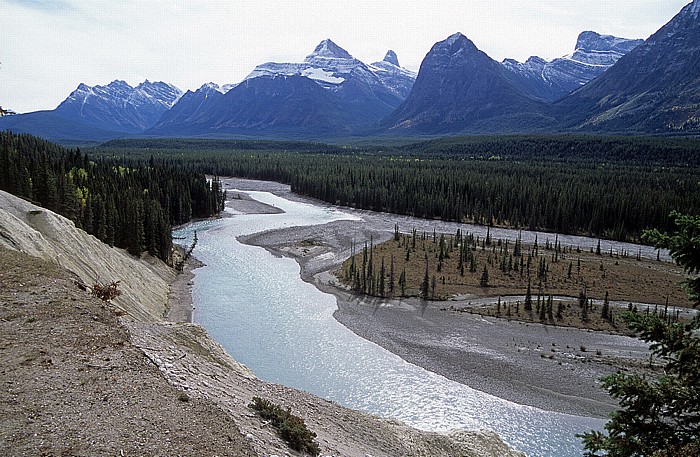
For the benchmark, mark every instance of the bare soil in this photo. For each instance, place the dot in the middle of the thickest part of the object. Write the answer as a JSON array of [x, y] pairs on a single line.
[[73, 384]]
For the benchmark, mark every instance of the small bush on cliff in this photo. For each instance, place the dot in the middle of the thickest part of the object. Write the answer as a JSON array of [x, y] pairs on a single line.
[[290, 428], [106, 292]]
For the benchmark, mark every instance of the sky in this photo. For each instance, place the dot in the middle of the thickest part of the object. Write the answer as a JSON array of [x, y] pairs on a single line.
[[48, 47]]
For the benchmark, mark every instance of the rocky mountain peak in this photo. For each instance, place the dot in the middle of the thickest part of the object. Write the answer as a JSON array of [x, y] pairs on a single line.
[[456, 44], [391, 58], [693, 9], [119, 84], [589, 41], [210, 87], [329, 50]]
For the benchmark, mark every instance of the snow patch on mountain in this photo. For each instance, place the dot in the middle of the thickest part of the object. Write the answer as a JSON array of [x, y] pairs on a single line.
[[551, 80], [331, 66], [119, 107]]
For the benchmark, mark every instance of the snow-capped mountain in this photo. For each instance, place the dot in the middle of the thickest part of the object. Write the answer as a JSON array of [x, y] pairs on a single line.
[[331, 66], [460, 88], [330, 92], [119, 107], [653, 88], [395, 77], [552, 80]]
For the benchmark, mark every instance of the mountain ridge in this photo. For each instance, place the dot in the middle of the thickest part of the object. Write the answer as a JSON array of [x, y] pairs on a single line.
[[655, 88]]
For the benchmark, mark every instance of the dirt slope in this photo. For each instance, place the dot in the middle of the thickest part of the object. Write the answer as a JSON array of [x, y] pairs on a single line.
[[71, 383]]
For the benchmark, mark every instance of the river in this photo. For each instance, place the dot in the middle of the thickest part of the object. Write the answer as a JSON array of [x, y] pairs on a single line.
[[259, 309]]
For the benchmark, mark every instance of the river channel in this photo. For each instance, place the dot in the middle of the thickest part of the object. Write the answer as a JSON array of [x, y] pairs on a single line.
[[259, 309]]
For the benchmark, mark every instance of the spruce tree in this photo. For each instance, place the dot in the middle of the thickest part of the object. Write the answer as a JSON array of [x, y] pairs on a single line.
[[484, 281], [528, 297], [658, 415]]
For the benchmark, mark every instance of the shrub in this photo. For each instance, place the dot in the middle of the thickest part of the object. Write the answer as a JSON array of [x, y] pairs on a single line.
[[106, 292], [290, 428]]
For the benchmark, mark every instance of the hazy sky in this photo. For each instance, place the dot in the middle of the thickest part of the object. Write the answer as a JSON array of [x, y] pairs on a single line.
[[48, 47]]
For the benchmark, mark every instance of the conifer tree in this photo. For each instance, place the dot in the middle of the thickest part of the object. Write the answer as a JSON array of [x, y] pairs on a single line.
[[484, 281], [605, 311], [425, 285], [528, 297]]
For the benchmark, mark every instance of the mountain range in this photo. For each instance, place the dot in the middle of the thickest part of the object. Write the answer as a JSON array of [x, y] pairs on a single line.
[[607, 85], [330, 91]]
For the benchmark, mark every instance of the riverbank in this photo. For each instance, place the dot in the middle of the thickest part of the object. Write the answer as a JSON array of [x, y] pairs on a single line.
[[82, 377], [552, 368]]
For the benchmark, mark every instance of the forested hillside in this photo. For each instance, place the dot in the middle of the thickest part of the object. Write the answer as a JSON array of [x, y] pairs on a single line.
[[129, 204], [599, 186]]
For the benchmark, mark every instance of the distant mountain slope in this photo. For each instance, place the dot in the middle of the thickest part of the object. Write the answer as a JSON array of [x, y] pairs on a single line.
[[118, 106], [330, 93], [653, 89], [286, 104], [190, 110], [553, 80], [98, 113], [49, 125], [459, 88]]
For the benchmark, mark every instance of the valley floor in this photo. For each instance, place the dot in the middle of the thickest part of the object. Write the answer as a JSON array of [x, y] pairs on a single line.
[[552, 368]]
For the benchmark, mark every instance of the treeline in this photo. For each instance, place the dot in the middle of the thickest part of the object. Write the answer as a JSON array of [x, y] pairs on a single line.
[[567, 184], [131, 205], [202, 144], [566, 148], [611, 201]]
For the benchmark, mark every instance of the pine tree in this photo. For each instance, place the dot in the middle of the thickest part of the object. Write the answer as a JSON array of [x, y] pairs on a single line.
[[484, 282], [605, 311], [528, 297], [425, 285]]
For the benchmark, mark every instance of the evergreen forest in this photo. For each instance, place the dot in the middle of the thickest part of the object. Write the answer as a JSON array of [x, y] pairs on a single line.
[[610, 187], [131, 204]]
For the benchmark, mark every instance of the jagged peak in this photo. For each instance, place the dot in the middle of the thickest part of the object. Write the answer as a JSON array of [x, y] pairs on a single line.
[[148, 83], [458, 39], [536, 60], [391, 58], [593, 41], [329, 50], [119, 83], [209, 86], [454, 37]]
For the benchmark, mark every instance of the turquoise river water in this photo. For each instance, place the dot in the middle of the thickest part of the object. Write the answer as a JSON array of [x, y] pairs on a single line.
[[259, 309]]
